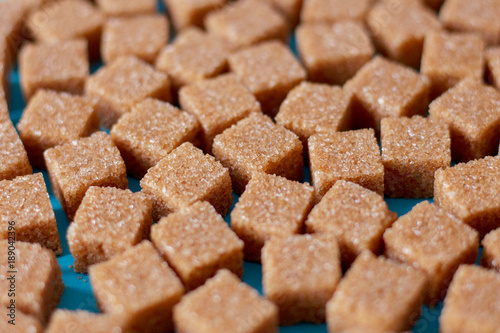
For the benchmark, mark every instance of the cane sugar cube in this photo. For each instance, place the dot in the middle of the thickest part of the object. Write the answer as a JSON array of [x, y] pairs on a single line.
[[37, 295], [399, 29], [472, 111], [312, 108], [471, 305], [123, 83], [13, 157], [141, 36], [376, 294], [12, 15], [256, 144], [247, 22], [383, 88], [269, 70], [23, 324], [192, 12], [271, 206], [433, 240], [299, 275], [80, 321], [448, 58], [218, 104], [51, 119], [76, 166], [493, 65], [491, 250], [127, 7], [334, 10], [108, 222], [60, 66], [471, 191], [186, 175], [412, 150], [353, 156], [225, 304], [139, 287], [356, 216]]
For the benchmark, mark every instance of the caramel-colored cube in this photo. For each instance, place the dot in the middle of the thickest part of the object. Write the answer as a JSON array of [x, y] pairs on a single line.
[[356, 216], [120, 85], [434, 241], [191, 13], [186, 176], [334, 10], [23, 324], [333, 53], [76, 166], [353, 156], [300, 274], [412, 150], [271, 206], [270, 71], [493, 65], [149, 132], [225, 304], [471, 303], [256, 144], [218, 104], [127, 7], [13, 157], [472, 110], [51, 119], [108, 222], [138, 287], [491, 250], [12, 35], [60, 66], [376, 294], [448, 58], [80, 321]]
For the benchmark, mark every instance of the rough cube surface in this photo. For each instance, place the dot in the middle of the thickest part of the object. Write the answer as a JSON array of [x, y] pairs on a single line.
[[13, 157], [289, 8], [24, 323], [191, 12], [493, 65], [334, 10], [80, 321], [270, 206], [127, 7], [491, 250], [108, 222]]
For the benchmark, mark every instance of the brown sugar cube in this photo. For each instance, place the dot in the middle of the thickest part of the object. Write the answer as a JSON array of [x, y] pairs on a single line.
[[127, 7], [51, 119], [123, 83], [138, 287], [80, 321], [13, 157], [493, 65], [108, 222], [433, 240], [197, 242], [60, 66], [270, 71], [472, 111], [256, 144], [191, 13], [288, 8], [399, 29], [247, 22], [25, 201], [300, 274], [353, 156], [36, 295], [448, 58], [271, 206], [471, 191], [310, 108], [376, 294], [149, 132], [218, 104], [141, 36], [491, 250], [186, 176], [412, 150], [225, 304], [12, 15], [23, 324], [76, 166], [334, 10], [356, 216], [471, 303], [383, 88], [333, 53]]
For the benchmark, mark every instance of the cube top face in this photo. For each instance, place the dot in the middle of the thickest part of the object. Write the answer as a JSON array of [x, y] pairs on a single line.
[[491, 252], [336, 10], [127, 7], [12, 153], [84, 321], [493, 61]]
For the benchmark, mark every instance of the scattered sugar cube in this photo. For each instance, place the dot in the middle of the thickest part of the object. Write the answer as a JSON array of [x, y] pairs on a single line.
[[13, 157], [270, 206], [493, 65], [186, 176], [76, 166], [191, 13], [23, 324], [300, 274], [353, 156], [225, 304], [256, 144], [79, 321], [139, 287], [334, 10], [127, 7], [356, 216], [51, 119], [412, 150], [491, 250], [433, 240], [12, 35]]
